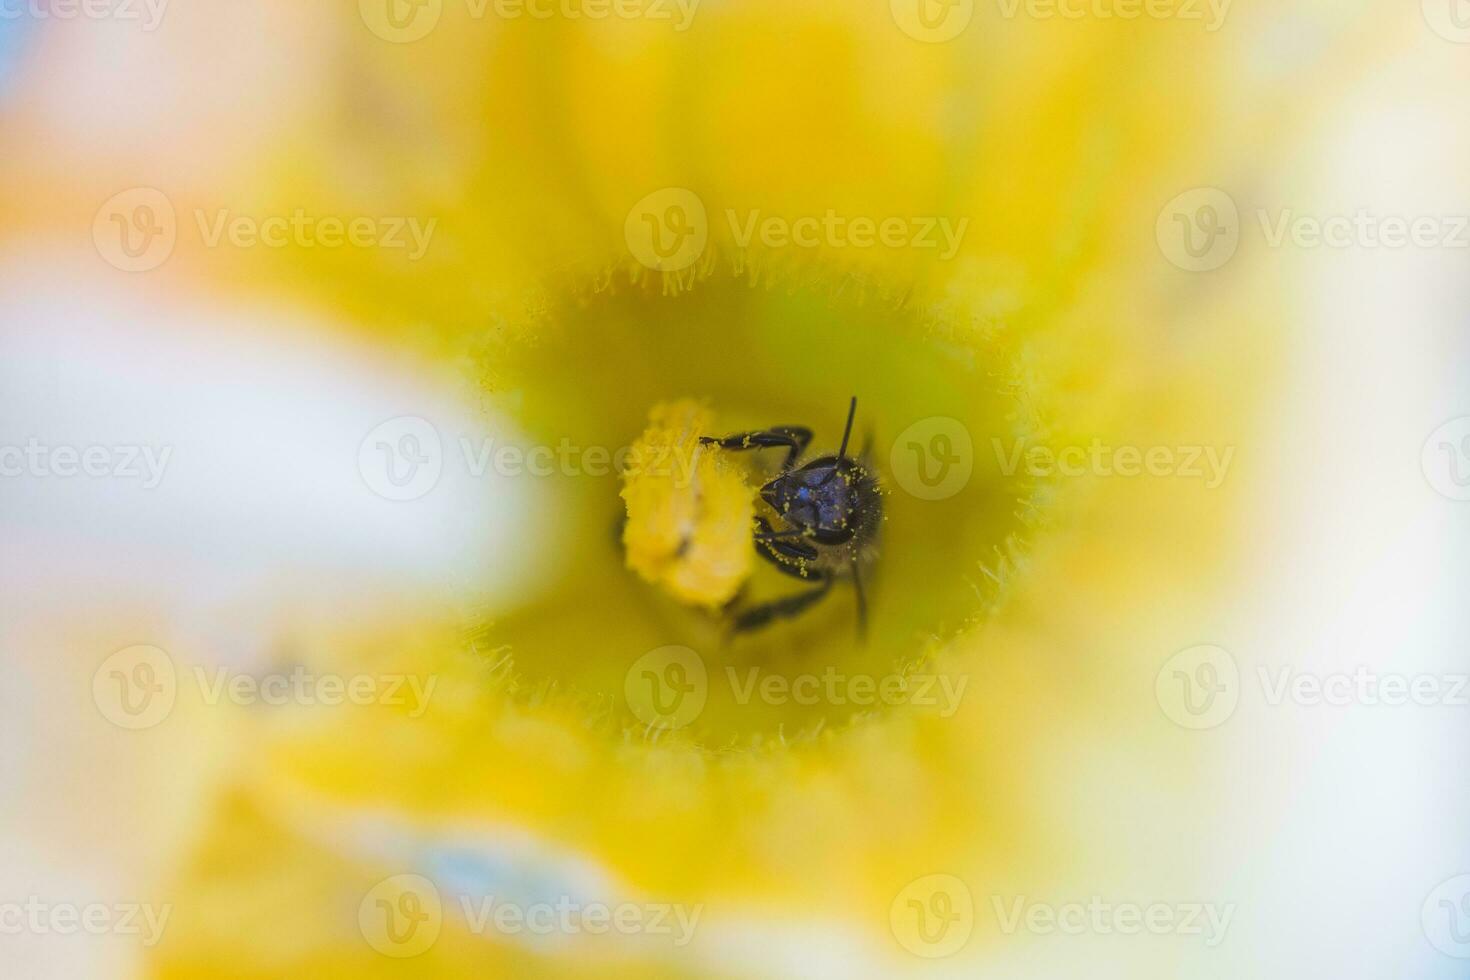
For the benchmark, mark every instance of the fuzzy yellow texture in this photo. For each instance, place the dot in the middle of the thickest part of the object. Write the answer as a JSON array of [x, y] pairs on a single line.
[[689, 508]]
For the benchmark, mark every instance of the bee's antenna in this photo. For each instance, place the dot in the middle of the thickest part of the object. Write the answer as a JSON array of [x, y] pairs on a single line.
[[846, 432], [851, 411]]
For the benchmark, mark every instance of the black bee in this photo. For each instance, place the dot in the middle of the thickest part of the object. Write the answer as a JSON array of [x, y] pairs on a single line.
[[831, 509]]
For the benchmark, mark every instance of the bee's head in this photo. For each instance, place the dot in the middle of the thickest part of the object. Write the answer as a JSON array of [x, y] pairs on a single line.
[[817, 498]]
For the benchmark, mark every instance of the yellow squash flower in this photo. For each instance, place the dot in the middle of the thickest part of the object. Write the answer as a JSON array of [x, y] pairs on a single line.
[[743, 217]]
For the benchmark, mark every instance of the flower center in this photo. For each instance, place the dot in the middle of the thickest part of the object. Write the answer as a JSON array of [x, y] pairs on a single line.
[[936, 407]]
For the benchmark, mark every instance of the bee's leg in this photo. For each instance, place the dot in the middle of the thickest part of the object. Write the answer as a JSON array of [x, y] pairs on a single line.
[[784, 549], [762, 615], [793, 437]]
